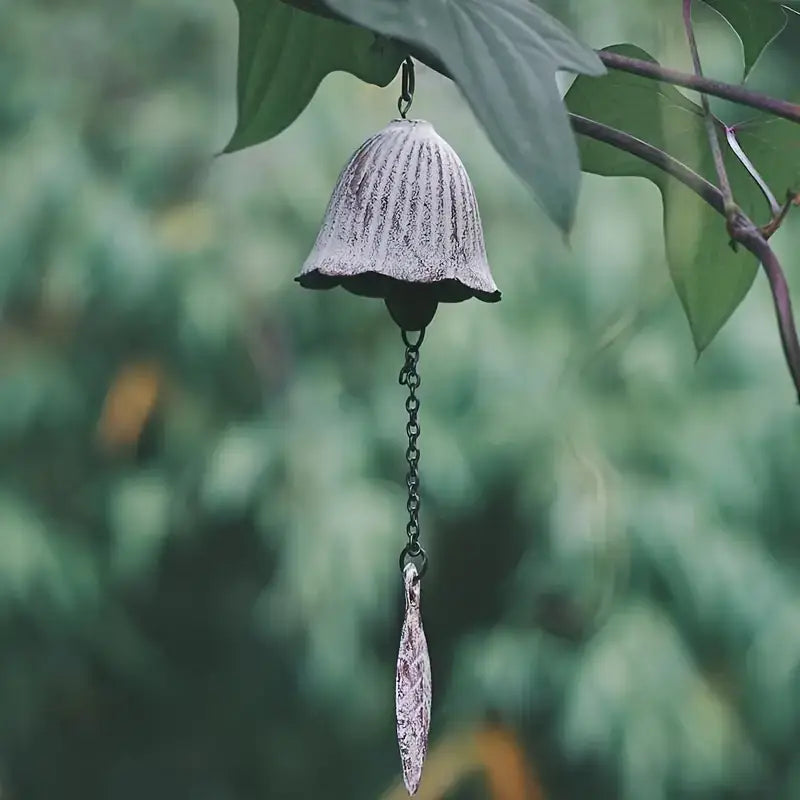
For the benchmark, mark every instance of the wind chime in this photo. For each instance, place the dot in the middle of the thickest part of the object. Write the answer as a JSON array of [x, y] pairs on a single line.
[[403, 225]]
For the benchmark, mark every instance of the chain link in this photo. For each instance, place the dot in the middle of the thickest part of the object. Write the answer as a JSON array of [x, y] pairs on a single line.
[[409, 377]]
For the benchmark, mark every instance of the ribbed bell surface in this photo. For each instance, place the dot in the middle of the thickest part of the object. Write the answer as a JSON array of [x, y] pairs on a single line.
[[403, 224]]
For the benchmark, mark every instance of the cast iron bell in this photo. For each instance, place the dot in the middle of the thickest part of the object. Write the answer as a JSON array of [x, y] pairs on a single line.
[[403, 224]]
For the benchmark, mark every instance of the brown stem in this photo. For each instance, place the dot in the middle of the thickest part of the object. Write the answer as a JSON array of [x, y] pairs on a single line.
[[732, 92], [711, 128], [780, 215], [653, 155], [745, 232]]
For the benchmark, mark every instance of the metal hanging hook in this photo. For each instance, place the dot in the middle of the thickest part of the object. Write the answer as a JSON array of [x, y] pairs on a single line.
[[407, 87]]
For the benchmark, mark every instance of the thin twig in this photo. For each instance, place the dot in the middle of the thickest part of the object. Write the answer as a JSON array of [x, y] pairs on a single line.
[[780, 215], [729, 91], [653, 155], [711, 128]]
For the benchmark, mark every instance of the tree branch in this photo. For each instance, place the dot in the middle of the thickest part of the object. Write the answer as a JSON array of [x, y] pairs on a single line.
[[732, 92]]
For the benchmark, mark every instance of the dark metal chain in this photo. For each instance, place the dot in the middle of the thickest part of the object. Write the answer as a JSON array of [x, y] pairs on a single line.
[[410, 377], [407, 87]]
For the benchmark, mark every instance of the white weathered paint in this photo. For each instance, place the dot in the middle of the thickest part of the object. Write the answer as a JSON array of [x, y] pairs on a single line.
[[404, 208]]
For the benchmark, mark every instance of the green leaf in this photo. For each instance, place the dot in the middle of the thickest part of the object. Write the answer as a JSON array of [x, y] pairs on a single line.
[[284, 54], [756, 23], [710, 278], [503, 55], [772, 143]]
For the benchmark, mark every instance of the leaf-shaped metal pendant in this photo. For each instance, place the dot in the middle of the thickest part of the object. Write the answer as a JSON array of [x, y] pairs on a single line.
[[413, 685]]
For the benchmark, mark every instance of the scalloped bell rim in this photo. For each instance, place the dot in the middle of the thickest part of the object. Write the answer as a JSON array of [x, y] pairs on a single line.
[[374, 284]]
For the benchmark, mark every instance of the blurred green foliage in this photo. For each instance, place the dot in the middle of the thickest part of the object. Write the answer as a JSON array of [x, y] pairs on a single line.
[[202, 500]]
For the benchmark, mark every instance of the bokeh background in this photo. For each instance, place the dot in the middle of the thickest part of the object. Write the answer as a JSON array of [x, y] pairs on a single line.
[[202, 494]]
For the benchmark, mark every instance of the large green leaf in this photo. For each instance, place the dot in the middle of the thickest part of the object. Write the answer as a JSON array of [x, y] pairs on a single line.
[[503, 55], [757, 22], [710, 278], [284, 53]]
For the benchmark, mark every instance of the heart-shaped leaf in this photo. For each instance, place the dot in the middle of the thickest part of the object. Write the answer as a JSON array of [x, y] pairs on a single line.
[[284, 53], [503, 55], [710, 278]]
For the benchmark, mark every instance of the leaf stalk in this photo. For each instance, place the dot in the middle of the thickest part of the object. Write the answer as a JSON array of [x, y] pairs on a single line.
[[708, 118]]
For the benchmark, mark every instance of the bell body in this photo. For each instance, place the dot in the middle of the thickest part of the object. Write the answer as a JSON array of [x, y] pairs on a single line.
[[403, 224]]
